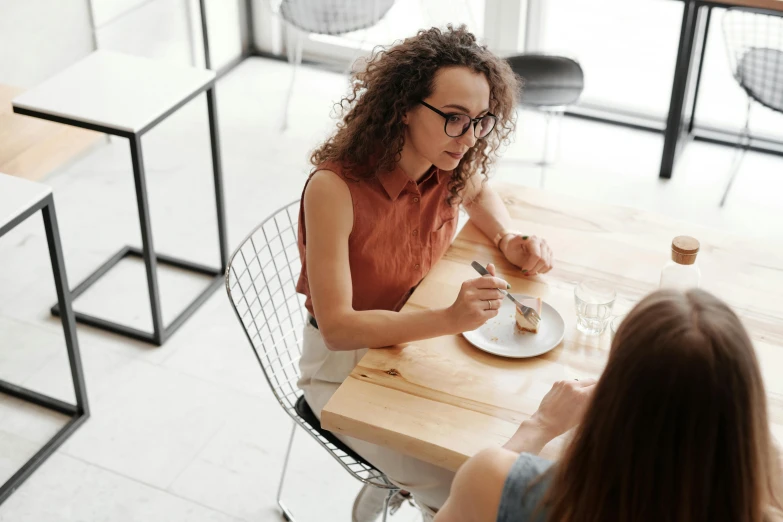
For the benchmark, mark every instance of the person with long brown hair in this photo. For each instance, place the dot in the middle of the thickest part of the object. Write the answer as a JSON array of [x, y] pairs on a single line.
[[675, 430], [421, 127]]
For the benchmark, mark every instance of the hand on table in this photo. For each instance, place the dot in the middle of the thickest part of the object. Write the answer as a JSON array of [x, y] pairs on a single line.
[[563, 407], [530, 253]]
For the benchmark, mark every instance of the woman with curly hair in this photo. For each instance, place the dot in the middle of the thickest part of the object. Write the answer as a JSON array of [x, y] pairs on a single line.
[[421, 128]]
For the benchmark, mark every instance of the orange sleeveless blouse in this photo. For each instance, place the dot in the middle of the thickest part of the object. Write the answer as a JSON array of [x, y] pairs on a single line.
[[400, 230]]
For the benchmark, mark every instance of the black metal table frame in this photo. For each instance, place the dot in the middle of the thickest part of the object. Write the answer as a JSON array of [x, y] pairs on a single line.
[[680, 121], [79, 412], [680, 125], [690, 55], [160, 332]]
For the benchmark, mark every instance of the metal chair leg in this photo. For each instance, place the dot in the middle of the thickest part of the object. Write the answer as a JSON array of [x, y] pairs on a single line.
[[547, 125], [294, 44], [742, 148], [285, 511], [550, 155], [386, 504], [551, 152], [349, 69]]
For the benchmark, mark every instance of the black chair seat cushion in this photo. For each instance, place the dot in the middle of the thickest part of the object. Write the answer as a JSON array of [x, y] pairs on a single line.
[[760, 73], [334, 17], [549, 81], [304, 411]]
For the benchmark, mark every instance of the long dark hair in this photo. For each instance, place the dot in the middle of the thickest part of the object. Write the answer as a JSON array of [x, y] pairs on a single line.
[[677, 428], [371, 133]]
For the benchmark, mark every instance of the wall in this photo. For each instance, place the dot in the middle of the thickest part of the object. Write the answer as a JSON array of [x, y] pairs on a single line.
[[170, 29], [38, 38]]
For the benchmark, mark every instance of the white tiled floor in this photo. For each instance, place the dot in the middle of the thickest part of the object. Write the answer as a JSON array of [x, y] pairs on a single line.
[[190, 431]]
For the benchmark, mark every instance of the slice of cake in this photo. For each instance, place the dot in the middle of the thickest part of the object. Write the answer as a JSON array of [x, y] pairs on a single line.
[[522, 322]]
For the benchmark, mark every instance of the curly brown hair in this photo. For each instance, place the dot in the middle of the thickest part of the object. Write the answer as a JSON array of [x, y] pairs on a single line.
[[371, 135]]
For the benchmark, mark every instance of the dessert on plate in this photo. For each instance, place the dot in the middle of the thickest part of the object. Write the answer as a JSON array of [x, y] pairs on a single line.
[[522, 322]]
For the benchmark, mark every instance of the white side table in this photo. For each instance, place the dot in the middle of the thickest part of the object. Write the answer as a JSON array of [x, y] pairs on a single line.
[[127, 96], [20, 199]]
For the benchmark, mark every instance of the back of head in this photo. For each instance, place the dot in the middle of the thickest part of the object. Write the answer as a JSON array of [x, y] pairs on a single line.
[[677, 429]]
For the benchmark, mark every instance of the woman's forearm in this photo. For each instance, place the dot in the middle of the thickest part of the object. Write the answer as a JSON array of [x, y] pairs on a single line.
[[488, 212], [379, 328], [530, 437]]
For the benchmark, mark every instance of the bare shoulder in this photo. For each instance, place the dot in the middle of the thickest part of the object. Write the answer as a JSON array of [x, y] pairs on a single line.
[[327, 184], [494, 463], [478, 486], [327, 203]]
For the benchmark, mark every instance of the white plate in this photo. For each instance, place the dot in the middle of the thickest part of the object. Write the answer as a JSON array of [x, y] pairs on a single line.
[[500, 335]]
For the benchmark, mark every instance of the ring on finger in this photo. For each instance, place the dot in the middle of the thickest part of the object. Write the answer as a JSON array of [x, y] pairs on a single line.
[[490, 305]]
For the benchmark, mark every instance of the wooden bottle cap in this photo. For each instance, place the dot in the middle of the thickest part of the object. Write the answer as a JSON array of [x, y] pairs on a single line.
[[684, 250]]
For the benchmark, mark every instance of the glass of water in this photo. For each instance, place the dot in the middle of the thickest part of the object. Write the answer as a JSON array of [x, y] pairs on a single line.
[[615, 324], [594, 301]]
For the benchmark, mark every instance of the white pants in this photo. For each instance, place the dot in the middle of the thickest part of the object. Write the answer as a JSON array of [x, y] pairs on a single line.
[[322, 373]]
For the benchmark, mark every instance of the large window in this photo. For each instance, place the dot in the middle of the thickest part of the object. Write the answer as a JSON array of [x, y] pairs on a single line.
[[721, 101], [628, 51], [170, 30]]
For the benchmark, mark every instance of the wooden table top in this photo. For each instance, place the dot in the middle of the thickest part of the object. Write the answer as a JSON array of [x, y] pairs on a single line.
[[774, 5], [442, 400]]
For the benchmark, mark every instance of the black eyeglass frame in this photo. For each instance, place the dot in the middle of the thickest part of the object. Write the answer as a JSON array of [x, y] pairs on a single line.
[[474, 121]]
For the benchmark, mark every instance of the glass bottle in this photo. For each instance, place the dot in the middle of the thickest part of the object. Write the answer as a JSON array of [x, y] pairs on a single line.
[[682, 272]]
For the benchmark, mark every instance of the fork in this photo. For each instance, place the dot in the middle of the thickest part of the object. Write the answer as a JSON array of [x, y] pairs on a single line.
[[528, 312]]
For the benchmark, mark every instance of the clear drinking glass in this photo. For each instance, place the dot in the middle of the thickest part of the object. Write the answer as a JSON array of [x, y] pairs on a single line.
[[615, 324], [594, 301]]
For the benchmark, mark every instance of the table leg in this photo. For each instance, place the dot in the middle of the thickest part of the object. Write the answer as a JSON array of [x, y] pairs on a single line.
[[703, 42], [150, 259], [217, 173], [160, 332], [682, 71], [66, 305], [205, 34], [80, 412]]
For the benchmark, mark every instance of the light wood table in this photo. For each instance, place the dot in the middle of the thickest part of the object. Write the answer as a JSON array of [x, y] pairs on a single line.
[[772, 5], [32, 148], [442, 400]]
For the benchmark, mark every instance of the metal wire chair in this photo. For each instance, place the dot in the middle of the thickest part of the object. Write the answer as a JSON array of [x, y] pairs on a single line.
[[261, 284], [326, 17], [754, 42], [333, 17]]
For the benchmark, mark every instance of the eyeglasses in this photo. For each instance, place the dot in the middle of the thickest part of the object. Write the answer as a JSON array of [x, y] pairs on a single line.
[[458, 124]]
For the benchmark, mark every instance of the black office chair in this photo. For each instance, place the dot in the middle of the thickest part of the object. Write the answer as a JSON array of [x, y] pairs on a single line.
[[754, 41], [330, 17], [551, 84]]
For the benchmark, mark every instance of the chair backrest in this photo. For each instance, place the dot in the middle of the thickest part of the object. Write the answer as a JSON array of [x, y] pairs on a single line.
[[754, 41], [334, 16], [261, 284], [548, 80]]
